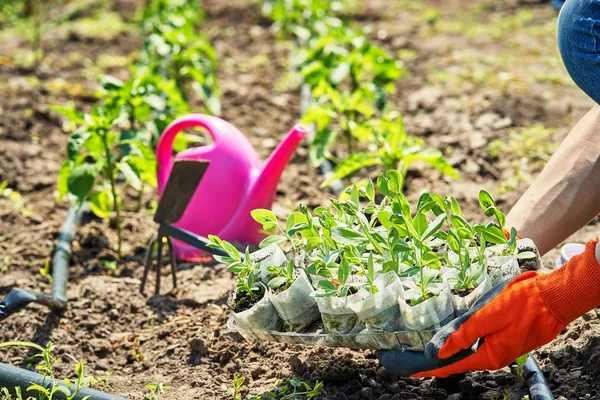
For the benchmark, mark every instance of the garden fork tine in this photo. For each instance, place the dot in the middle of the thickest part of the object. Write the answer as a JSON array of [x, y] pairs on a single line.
[[158, 264], [173, 265], [148, 261]]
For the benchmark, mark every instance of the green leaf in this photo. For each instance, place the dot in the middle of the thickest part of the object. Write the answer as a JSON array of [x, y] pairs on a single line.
[[495, 235], [270, 240], [39, 389], [420, 224], [110, 83], [371, 268], [485, 200], [131, 177], [82, 178], [526, 255], [101, 204], [347, 236], [75, 143], [453, 241], [277, 282], [434, 226], [70, 113], [370, 191], [294, 219], [339, 73], [352, 164], [344, 271], [522, 360], [62, 186], [390, 183], [263, 216]]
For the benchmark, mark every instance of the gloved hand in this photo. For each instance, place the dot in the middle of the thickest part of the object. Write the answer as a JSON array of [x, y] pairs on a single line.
[[510, 320]]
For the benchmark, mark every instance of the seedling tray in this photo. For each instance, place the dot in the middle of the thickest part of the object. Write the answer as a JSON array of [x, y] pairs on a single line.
[[400, 340]]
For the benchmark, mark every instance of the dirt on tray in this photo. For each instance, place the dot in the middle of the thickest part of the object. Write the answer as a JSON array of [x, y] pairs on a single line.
[[180, 338]]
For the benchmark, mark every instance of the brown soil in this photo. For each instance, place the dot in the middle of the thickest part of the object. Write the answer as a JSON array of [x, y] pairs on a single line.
[[179, 338]]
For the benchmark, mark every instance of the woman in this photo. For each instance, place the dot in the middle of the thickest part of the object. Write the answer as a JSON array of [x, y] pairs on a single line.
[[516, 317]]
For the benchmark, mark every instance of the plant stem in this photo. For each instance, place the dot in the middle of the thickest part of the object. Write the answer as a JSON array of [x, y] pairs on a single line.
[[140, 199], [113, 188]]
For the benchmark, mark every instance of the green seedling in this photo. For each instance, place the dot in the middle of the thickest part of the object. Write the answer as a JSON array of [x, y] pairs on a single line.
[[335, 287], [466, 279], [520, 363], [300, 229], [96, 159], [238, 382], [5, 264], [175, 50], [245, 269], [283, 276], [154, 391], [395, 150], [46, 271], [15, 198], [296, 388], [46, 367]]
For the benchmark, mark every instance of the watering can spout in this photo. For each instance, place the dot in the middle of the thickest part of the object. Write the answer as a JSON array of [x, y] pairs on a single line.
[[262, 192], [265, 187]]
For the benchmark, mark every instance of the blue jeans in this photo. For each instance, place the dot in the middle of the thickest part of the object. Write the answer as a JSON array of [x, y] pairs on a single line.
[[579, 43]]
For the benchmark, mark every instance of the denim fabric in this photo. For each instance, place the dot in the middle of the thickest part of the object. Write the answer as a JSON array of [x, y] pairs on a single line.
[[579, 43]]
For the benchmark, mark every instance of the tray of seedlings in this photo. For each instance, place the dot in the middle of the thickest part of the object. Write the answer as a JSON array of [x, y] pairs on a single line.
[[372, 270]]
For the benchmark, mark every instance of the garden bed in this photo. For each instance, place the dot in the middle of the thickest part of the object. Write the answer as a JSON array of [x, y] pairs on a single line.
[[181, 339]]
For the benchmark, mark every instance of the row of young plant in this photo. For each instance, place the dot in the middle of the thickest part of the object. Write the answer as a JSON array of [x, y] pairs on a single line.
[[115, 141], [351, 80], [363, 265]]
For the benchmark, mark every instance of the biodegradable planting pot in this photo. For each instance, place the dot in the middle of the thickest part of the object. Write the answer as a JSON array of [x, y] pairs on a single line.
[[271, 255], [500, 268], [296, 307], [262, 315], [528, 264], [463, 303], [336, 314], [379, 311], [429, 314]]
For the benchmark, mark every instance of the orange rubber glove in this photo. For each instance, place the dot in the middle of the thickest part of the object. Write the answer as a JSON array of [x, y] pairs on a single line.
[[507, 322]]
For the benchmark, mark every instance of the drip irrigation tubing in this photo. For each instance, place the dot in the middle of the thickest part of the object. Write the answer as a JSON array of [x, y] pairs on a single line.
[[13, 377], [17, 299], [538, 386]]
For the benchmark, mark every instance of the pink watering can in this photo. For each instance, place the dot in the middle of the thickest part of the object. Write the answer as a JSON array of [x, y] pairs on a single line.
[[234, 184]]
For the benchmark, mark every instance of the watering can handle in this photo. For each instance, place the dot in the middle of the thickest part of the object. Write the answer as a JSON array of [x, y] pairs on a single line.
[[164, 149]]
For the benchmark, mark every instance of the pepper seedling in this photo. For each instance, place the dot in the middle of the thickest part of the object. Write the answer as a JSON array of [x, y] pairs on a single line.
[[245, 269]]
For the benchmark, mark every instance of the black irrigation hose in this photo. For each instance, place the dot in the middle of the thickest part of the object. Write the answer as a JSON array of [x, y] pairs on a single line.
[[325, 168], [13, 377], [538, 386], [18, 298]]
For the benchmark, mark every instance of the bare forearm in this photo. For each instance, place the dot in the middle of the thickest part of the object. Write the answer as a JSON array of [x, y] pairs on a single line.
[[566, 195]]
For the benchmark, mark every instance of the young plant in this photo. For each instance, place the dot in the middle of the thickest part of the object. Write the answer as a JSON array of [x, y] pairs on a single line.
[[67, 389], [495, 233], [175, 50], [335, 287], [466, 279], [394, 150], [247, 290], [96, 159], [238, 382], [154, 391], [295, 389], [283, 275]]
